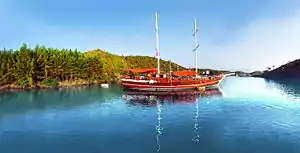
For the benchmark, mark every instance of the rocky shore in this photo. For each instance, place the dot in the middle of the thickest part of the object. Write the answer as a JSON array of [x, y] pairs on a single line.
[[289, 70]]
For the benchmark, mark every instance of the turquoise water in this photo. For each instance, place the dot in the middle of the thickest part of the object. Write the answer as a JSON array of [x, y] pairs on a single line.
[[252, 115]]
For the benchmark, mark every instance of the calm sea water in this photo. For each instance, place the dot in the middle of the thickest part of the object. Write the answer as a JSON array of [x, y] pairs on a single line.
[[249, 115]]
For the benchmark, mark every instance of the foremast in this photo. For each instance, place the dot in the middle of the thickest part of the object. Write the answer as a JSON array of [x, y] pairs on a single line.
[[157, 44]]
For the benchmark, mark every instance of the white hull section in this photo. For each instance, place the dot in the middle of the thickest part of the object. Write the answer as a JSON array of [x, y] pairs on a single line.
[[141, 81]]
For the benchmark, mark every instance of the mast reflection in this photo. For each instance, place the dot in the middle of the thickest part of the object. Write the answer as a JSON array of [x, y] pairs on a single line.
[[158, 126], [196, 125], [157, 99]]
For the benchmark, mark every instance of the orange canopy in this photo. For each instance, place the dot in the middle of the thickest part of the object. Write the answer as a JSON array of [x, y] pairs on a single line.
[[184, 73], [143, 70]]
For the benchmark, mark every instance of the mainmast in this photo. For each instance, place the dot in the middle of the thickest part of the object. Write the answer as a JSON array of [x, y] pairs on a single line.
[[196, 47], [157, 43]]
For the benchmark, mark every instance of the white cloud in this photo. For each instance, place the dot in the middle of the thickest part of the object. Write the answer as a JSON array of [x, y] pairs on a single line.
[[262, 43]]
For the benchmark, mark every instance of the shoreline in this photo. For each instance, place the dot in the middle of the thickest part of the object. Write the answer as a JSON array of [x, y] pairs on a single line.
[[74, 84]]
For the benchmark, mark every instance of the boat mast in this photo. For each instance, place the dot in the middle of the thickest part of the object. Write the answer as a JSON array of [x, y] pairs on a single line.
[[157, 44], [196, 47]]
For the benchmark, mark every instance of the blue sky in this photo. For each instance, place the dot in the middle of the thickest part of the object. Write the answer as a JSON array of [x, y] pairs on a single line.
[[233, 34]]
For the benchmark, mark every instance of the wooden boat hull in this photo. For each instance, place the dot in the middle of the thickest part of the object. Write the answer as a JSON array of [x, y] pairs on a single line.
[[172, 93], [165, 84], [157, 87]]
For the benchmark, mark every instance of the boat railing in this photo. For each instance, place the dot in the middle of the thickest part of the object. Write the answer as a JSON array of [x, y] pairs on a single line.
[[164, 78]]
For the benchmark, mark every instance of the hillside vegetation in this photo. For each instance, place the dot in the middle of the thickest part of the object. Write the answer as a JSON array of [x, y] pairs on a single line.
[[49, 67], [115, 64], [289, 70], [43, 66]]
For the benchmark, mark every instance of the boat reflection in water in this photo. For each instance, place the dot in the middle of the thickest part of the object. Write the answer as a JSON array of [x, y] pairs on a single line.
[[151, 99], [157, 99]]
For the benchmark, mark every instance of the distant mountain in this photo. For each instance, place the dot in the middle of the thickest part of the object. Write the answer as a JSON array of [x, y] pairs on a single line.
[[289, 70], [212, 71], [256, 73]]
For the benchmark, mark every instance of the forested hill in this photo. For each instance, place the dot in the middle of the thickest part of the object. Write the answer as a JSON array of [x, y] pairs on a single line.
[[41, 66], [141, 62], [289, 70], [114, 62], [44, 67]]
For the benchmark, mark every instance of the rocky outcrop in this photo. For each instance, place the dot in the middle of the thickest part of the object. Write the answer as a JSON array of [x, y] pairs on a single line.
[[289, 70]]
